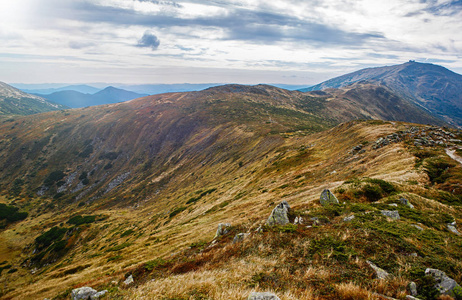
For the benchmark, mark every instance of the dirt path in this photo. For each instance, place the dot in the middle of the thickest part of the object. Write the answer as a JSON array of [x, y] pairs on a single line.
[[453, 155]]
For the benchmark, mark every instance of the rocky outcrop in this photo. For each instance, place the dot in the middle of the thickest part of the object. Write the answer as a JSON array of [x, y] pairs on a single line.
[[263, 296], [381, 273], [86, 293], [328, 198], [279, 215], [444, 284], [392, 214], [223, 228]]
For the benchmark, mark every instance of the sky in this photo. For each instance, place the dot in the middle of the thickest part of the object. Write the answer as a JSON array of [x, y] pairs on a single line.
[[235, 41]]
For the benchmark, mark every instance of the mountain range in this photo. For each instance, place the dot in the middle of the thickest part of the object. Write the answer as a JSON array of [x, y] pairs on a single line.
[[16, 102], [100, 195], [76, 99], [430, 86]]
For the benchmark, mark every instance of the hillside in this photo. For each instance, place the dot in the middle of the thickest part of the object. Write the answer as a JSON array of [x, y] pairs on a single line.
[[139, 188], [16, 102], [76, 99], [433, 87]]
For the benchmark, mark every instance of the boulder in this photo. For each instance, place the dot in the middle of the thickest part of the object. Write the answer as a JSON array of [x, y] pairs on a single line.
[[240, 237], [263, 296], [279, 215], [223, 228], [444, 284], [381, 273], [129, 280], [328, 198], [83, 293], [392, 214]]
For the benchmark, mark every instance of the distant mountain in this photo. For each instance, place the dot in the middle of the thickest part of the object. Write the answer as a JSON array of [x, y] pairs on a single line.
[[76, 99], [82, 88], [433, 87], [16, 102], [153, 89]]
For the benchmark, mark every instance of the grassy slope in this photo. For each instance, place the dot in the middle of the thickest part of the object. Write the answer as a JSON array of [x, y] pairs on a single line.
[[223, 172]]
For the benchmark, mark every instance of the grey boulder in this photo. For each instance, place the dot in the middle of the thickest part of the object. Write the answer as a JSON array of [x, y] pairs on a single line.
[[392, 214], [444, 284], [279, 215], [223, 228], [328, 198], [83, 293]]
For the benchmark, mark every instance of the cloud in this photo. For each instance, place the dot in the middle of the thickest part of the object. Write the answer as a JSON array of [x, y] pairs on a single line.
[[149, 40], [80, 45], [236, 24]]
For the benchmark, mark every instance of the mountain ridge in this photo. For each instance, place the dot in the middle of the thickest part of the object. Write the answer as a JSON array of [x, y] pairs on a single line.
[[433, 87]]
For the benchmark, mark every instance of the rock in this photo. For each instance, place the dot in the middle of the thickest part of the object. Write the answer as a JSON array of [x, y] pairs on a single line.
[[452, 228], [349, 218], [263, 296], [240, 237], [381, 273], [413, 288], [417, 226], [328, 198], [444, 284], [279, 215], [223, 228], [129, 280], [409, 297], [99, 294], [83, 293], [298, 220], [393, 204], [114, 282], [393, 214], [406, 202]]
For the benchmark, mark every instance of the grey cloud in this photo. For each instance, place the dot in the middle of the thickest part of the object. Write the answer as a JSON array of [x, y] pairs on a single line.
[[149, 40], [237, 24]]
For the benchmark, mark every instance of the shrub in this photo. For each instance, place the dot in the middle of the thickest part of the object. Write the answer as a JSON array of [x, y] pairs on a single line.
[[53, 235], [11, 213], [177, 211], [372, 193], [79, 220], [438, 170], [53, 177]]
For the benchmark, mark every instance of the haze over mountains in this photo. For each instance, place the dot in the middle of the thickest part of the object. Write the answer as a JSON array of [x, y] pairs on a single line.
[[77, 99]]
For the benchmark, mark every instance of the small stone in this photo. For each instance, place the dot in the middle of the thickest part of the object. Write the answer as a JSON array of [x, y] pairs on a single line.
[[223, 228], [444, 284], [406, 202], [328, 198], [349, 218], [417, 226], [409, 297], [393, 204], [115, 282], [279, 215], [413, 288], [83, 293], [129, 280], [263, 296], [452, 228], [298, 220], [240, 237], [381, 273], [99, 294], [393, 214]]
